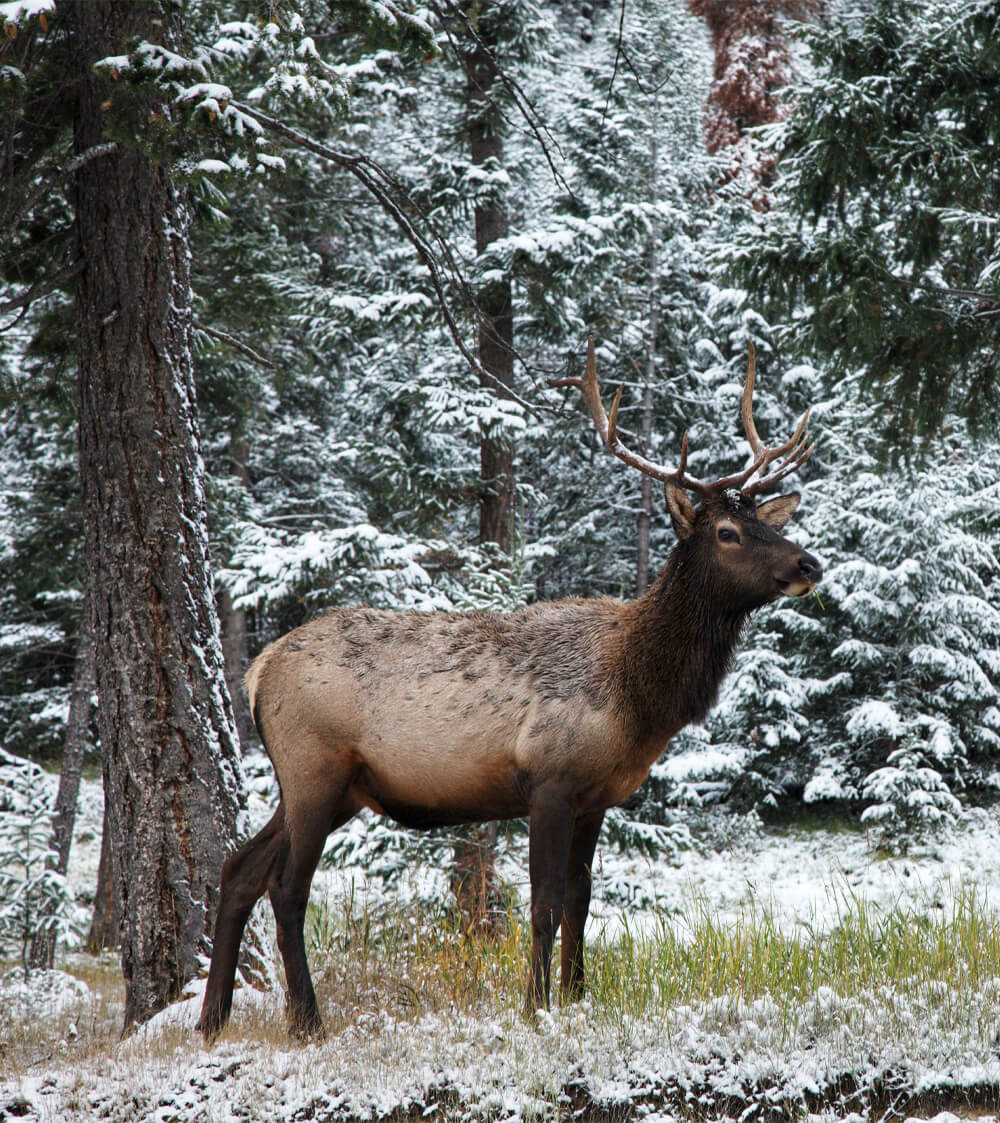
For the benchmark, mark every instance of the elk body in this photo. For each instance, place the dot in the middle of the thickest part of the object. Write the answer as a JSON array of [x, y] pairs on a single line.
[[555, 711]]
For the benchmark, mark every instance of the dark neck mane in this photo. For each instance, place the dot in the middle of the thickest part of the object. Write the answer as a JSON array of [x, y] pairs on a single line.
[[678, 649]]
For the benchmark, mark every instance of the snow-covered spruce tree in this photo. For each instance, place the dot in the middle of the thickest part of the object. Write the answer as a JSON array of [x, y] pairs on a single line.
[[910, 800], [35, 898], [40, 556], [882, 247], [611, 249], [902, 643], [876, 265], [355, 451]]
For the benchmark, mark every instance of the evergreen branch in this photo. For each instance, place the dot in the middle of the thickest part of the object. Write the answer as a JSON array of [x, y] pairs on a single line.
[[43, 288], [991, 298], [236, 344], [381, 184], [518, 96]]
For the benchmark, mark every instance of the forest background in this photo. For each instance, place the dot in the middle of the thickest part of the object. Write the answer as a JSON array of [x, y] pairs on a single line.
[[345, 247]]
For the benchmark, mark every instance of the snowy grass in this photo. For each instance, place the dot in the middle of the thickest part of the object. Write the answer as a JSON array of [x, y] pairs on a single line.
[[692, 1016], [761, 975]]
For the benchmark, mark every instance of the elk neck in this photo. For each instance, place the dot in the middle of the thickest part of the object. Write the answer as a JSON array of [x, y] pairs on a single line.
[[677, 648]]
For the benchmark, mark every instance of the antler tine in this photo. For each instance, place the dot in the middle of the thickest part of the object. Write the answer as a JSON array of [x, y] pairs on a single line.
[[591, 391], [794, 449], [746, 406], [608, 430], [799, 455]]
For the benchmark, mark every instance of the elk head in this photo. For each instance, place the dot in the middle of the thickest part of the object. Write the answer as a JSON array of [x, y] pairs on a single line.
[[734, 542]]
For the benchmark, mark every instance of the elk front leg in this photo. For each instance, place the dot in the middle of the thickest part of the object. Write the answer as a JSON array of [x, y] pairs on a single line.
[[550, 832], [577, 904]]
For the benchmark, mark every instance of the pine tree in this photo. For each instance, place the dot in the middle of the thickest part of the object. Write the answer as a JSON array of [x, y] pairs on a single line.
[[172, 779], [35, 898], [884, 221], [899, 648]]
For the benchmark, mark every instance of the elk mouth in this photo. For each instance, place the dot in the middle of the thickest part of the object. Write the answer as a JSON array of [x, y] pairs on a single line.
[[797, 588], [804, 576]]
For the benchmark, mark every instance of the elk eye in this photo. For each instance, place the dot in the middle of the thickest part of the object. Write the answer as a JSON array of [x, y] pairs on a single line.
[[727, 534]]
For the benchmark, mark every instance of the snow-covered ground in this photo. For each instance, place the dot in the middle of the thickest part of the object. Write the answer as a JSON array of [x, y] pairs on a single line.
[[878, 1055]]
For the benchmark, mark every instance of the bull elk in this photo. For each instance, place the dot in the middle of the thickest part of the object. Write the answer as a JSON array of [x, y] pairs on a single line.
[[555, 711]]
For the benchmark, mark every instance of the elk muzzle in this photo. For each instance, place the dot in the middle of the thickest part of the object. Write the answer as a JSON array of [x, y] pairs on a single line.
[[802, 576]]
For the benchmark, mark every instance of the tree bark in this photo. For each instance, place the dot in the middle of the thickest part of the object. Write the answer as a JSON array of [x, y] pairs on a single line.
[[652, 332], [645, 519], [477, 888], [496, 321], [235, 645], [106, 920], [172, 779], [43, 944], [236, 659]]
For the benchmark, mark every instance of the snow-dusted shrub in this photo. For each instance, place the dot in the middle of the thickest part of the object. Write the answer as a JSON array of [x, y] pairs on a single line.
[[34, 898], [912, 801], [410, 866]]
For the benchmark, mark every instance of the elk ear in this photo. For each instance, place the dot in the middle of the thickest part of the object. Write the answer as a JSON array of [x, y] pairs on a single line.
[[776, 512], [681, 511]]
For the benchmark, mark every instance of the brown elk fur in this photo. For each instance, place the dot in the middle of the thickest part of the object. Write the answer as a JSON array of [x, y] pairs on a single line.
[[555, 711]]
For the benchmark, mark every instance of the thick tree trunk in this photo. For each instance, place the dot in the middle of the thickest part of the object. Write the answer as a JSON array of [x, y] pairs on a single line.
[[172, 779], [43, 945]]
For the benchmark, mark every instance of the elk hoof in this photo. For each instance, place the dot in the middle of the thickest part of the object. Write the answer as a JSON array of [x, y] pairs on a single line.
[[306, 1027], [210, 1027]]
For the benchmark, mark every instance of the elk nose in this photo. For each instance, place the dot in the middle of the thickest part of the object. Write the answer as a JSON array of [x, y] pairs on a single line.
[[810, 569]]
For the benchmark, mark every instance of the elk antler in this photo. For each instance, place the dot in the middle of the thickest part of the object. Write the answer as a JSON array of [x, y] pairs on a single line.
[[608, 429], [796, 449]]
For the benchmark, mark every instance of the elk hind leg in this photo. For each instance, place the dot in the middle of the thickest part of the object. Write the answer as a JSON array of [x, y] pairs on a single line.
[[245, 878], [577, 904], [310, 823]]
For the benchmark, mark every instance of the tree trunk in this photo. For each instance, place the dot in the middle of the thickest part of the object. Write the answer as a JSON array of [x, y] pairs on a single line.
[[477, 888], [235, 657], [496, 322], [106, 920], [653, 327], [646, 488], [43, 945], [235, 646], [172, 778]]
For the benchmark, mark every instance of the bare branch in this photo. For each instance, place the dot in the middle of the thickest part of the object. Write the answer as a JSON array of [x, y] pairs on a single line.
[[383, 187], [990, 298], [43, 288], [519, 97], [49, 174], [236, 344]]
